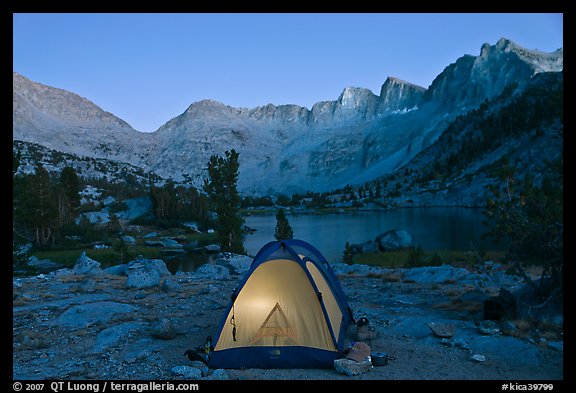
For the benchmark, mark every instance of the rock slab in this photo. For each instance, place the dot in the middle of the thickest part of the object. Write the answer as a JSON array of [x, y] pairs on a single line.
[[352, 367]]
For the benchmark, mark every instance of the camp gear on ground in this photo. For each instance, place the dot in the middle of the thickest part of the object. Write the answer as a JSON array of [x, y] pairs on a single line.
[[359, 352]]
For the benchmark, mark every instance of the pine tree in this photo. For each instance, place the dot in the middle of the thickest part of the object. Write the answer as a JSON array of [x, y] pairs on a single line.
[[221, 189], [71, 184], [347, 255], [39, 209], [528, 218], [164, 200], [283, 229], [68, 195]]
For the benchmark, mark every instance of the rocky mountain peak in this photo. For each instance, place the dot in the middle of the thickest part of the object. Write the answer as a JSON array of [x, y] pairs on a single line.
[[355, 97], [397, 94], [472, 79], [49, 104], [206, 105], [539, 61]]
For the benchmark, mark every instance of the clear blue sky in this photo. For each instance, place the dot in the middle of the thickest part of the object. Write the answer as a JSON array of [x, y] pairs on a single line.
[[148, 68]]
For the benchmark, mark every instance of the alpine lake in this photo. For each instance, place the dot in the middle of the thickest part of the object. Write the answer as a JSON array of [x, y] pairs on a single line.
[[442, 229]]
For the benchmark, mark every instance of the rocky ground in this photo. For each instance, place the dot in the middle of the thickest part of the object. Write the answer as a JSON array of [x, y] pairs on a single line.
[[91, 324]]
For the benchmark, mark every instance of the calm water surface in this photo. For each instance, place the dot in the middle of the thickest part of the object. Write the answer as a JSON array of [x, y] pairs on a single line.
[[437, 228]]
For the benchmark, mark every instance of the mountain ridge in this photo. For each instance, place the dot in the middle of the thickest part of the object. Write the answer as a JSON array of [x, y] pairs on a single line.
[[286, 148]]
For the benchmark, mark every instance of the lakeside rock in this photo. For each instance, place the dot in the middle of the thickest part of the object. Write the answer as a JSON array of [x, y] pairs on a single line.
[[391, 240], [145, 273], [43, 265], [87, 266], [235, 263], [394, 240]]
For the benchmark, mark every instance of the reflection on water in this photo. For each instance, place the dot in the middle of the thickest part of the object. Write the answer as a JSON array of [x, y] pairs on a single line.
[[438, 228], [433, 228], [187, 262]]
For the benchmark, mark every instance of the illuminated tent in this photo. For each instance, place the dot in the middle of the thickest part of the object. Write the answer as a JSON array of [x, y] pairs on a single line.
[[289, 311]]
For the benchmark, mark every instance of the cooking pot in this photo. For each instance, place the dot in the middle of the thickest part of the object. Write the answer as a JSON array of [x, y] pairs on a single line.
[[379, 358]]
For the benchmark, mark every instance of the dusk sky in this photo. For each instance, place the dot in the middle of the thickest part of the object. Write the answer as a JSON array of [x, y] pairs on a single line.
[[148, 68]]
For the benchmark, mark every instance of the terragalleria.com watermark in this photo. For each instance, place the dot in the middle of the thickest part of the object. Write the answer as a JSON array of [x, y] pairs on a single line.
[[97, 387]]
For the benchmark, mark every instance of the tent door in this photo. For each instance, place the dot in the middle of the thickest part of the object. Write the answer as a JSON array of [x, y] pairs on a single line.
[[277, 327]]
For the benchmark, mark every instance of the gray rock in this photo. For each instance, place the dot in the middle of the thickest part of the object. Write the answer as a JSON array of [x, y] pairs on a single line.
[[237, 264], [151, 234], [456, 343], [43, 265], [478, 358], [100, 217], [61, 273], [434, 274], [351, 367], [108, 200], [85, 315], [163, 329], [442, 330], [128, 239], [23, 249], [186, 372], [114, 334], [216, 272], [87, 286], [117, 270], [150, 264], [170, 286], [136, 207], [146, 273], [364, 248], [488, 328], [218, 375], [413, 326], [357, 269], [141, 349], [142, 278], [200, 366], [88, 266], [394, 240]]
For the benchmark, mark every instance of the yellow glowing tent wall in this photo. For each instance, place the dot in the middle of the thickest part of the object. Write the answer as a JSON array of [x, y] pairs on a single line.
[[289, 311]]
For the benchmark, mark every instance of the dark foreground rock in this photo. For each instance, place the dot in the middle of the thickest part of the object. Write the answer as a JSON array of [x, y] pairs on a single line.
[[64, 328]]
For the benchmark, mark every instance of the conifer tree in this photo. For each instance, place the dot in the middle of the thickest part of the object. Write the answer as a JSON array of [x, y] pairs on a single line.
[[283, 229], [221, 189], [68, 195], [39, 208], [347, 255]]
